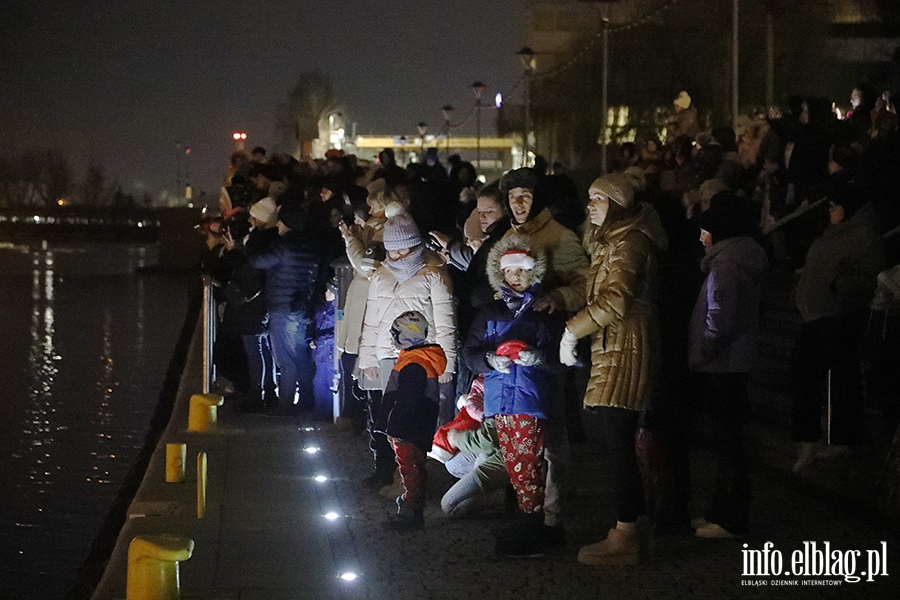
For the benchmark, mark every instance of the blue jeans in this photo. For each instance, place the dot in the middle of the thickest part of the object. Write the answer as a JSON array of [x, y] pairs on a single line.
[[287, 335]]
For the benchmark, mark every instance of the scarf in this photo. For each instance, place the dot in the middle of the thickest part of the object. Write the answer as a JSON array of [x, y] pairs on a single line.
[[404, 268], [515, 301]]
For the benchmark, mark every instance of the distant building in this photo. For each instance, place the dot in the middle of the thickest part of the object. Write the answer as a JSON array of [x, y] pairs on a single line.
[[660, 47]]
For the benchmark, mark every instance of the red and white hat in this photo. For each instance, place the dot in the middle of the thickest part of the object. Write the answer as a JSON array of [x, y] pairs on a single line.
[[516, 258]]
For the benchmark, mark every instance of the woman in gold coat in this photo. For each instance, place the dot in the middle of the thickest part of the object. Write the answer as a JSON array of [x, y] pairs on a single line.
[[623, 239]]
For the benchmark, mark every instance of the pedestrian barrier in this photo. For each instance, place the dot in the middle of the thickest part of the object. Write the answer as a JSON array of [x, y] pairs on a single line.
[[176, 456], [202, 412], [209, 334], [153, 566]]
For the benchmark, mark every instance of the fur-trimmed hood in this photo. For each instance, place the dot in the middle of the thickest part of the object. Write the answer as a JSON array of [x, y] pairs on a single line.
[[515, 242]]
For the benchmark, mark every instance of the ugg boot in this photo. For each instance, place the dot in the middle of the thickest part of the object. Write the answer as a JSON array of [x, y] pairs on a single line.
[[621, 547]]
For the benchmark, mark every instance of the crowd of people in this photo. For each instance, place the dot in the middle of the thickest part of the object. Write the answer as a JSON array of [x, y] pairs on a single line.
[[481, 320]]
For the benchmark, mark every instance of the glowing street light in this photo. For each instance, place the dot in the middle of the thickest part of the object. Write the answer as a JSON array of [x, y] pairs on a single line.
[[239, 138]]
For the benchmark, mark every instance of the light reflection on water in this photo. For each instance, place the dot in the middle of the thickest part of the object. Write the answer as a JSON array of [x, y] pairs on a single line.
[[37, 438], [84, 348]]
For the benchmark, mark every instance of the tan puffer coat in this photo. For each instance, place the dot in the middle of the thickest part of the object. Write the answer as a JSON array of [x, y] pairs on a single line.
[[428, 291], [620, 315], [566, 261]]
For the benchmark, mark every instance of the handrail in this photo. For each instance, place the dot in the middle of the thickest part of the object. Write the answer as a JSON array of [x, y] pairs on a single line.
[[788, 218], [209, 333]]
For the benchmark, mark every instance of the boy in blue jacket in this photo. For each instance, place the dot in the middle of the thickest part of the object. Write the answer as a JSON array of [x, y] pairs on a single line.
[[514, 346]]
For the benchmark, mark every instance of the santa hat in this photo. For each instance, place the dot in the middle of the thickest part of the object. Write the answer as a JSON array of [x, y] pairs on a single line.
[[516, 258]]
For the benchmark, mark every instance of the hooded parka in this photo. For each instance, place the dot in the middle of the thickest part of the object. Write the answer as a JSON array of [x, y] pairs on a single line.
[[620, 315]]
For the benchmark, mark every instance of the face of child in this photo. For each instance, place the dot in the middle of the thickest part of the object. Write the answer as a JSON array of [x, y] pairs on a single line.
[[517, 278]]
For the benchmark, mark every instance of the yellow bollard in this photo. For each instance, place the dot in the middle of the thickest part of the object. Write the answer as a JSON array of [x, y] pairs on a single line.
[[202, 411], [201, 485], [153, 566], [176, 456]]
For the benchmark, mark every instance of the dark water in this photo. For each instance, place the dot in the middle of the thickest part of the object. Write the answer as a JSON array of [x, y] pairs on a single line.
[[84, 348]]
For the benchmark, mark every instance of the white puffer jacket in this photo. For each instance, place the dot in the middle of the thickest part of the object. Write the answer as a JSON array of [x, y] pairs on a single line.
[[429, 291]]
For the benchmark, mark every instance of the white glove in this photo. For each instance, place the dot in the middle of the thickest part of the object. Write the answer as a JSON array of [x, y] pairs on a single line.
[[499, 363], [530, 357], [567, 349]]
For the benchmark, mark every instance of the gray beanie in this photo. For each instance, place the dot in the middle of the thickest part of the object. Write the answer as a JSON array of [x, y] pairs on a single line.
[[400, 231]]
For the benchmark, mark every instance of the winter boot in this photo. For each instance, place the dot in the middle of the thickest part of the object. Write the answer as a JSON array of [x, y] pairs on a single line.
[[529, 537], [407, 518], [621, 547]]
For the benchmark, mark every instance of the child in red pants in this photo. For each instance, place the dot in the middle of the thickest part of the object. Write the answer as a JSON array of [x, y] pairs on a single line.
[[410, 410]]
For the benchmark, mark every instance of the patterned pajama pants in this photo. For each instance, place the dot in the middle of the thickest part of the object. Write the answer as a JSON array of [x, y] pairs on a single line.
[[411, 461], [522, 445]]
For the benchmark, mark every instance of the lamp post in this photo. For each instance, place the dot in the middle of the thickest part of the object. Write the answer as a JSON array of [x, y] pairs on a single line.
[[734, 65], [526, 55], [188, 190], [423, 129], [447, 110], [239, 138], [478, 89]]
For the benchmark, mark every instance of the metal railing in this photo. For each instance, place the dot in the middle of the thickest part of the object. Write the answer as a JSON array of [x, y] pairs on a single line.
[[209, 334]]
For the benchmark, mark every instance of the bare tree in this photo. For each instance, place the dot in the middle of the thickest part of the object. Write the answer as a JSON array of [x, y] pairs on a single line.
[[298, 118], [93, 186]]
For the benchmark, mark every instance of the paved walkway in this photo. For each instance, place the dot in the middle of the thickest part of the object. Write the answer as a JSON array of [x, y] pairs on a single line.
[[265, 536]]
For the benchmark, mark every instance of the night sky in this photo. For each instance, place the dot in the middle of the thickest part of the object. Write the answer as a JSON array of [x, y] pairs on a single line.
[[120, 83]]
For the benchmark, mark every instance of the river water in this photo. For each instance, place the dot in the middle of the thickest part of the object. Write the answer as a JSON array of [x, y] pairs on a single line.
[[85, 344]]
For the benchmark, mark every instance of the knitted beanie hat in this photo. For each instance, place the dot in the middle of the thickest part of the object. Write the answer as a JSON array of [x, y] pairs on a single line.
[[265, 210], [617, 187], [292, 215], [400, 231]]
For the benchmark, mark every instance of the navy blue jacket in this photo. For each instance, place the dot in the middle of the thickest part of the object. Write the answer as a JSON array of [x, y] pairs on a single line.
[[524, 390], [292, 266]]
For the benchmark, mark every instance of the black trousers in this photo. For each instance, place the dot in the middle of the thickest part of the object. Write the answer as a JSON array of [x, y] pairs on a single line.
[[618, 427], [829, 345], [725, 402]]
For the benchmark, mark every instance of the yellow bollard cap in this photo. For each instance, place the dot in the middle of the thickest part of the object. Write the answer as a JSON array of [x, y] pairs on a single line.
[[169, 548], [208, 399]]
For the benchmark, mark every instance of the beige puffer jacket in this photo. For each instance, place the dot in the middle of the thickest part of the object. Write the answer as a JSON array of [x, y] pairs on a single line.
[[567, 263], [620, 315], [429, 291], [356, 241]]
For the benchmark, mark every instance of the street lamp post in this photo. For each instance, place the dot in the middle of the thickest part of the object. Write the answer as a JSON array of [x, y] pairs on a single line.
[[447, 110], [526, 55], [423, 129], [734, 65], [239, 138], [478, 89], [188, 190]]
